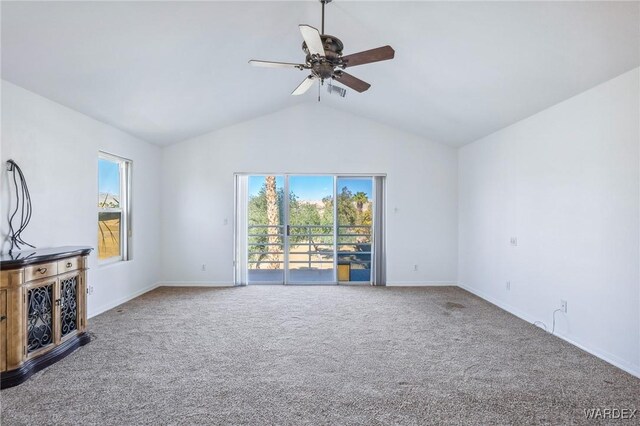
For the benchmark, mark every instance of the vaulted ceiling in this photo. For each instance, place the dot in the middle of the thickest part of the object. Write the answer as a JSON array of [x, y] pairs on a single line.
[[167, 71]]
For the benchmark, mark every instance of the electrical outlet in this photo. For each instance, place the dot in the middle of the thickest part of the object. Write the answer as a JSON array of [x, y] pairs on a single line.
[[90, 289], [508, 285], [225, 221], [415, 268], [204, 266], [563, 306], [513, 241]]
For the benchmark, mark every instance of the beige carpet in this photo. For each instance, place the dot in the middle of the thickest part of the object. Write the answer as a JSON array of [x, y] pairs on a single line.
[[318, 355]]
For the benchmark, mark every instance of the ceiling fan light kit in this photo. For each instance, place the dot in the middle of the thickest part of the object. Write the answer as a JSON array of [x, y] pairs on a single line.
[[324, 59]]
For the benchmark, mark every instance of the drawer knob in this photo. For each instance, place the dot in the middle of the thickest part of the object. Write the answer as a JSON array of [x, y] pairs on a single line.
[[3, 317], [42, 270], [69, 264]]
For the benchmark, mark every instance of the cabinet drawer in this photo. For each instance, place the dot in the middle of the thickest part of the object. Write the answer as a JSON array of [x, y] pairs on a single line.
[[42, 270], [67, 265]]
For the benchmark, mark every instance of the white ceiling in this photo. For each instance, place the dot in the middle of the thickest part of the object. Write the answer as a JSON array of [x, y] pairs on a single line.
[[167, 71]]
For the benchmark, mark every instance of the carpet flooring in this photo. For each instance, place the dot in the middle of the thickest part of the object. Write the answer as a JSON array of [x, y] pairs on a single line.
[[300, 355]]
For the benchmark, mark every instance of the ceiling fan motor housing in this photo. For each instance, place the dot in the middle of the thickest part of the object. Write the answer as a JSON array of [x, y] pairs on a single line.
[[324, 67]]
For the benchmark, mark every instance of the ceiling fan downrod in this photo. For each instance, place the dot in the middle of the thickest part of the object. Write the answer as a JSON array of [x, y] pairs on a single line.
[[323, 3]]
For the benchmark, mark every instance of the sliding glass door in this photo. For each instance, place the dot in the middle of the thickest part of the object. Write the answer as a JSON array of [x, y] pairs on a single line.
[[355, 228], [309, 229], [266, 230]]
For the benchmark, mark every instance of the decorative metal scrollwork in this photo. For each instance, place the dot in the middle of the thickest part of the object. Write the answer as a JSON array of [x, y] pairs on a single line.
[[40, 322], [68, 305]]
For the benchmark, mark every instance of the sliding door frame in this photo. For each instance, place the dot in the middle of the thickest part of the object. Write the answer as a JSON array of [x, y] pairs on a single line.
[[335, 230], [373, 219], [285, 232], [241, 205]]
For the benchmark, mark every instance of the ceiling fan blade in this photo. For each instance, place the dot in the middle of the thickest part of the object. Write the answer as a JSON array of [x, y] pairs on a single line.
[[312, 38], [374, 55], [271, 64], [304, 86], [352, 82]]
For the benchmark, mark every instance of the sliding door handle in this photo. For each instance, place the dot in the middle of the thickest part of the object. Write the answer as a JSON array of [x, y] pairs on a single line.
[[288, 230]]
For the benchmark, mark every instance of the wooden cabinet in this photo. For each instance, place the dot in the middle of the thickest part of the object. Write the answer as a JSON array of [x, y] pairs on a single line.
[[43, 297]]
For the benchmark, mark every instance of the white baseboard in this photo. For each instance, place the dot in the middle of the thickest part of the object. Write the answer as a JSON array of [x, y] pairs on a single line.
[[120, 301], [421, 283], [195, 284], [602, 354], [228, 284]]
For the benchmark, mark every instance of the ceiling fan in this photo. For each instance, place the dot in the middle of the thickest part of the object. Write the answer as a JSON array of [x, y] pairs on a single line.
[[325, 61]]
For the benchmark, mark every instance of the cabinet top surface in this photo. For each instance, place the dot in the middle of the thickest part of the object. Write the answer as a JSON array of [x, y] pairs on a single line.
[[19, 259]]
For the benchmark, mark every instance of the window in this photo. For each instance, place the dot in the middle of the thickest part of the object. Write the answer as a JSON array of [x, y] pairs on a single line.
[[114, 231]]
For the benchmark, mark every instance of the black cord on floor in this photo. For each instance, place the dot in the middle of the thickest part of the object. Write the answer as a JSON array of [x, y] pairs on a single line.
[[23, 204]]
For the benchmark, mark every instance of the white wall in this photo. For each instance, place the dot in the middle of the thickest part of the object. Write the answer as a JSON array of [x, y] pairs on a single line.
[[565, 182], [57, 149], [198, 189]]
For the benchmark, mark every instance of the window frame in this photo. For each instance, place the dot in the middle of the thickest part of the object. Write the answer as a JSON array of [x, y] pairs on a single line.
[[125, 166]]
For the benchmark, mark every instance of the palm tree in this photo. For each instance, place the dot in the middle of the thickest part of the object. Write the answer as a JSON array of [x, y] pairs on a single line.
[[360, 198], [272, 220]]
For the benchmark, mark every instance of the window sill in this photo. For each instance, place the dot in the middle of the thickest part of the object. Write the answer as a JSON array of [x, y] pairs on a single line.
[[110, 262]]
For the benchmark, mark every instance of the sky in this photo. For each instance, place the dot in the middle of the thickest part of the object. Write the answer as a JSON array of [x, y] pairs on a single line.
[[108, 177], [314, 188]]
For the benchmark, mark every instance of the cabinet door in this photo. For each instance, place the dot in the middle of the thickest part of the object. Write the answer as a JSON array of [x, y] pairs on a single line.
[[69, 302], [39, 302]]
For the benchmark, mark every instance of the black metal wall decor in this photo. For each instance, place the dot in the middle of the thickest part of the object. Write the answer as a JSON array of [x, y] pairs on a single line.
[[23, 204]]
